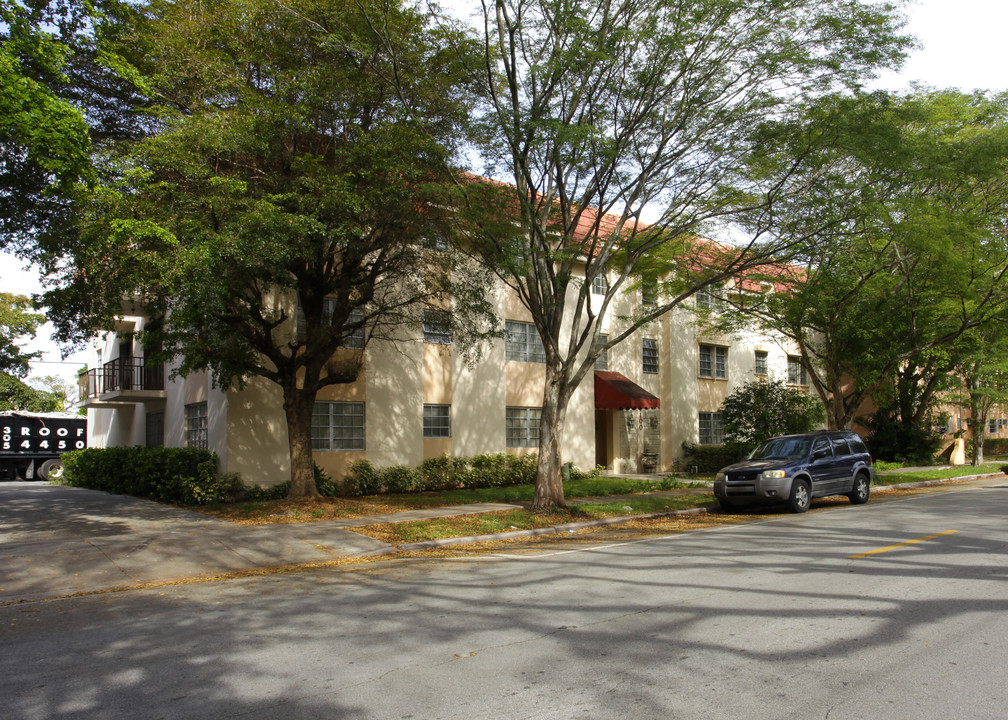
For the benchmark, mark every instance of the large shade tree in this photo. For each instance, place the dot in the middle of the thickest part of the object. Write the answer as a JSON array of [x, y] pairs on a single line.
[[905, 211], [598, 113], [275, 220]]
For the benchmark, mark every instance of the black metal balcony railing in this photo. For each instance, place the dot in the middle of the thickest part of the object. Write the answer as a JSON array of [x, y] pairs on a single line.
[[131, 373]]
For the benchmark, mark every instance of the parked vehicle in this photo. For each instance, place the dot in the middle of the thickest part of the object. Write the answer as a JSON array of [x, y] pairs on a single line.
[[31, 443], [794, 469]]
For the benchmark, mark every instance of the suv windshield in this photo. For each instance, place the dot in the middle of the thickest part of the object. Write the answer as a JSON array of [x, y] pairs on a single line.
[[784, 448]]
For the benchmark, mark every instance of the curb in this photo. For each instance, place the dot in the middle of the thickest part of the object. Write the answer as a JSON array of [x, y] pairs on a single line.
[[572, 527], [552, 530]]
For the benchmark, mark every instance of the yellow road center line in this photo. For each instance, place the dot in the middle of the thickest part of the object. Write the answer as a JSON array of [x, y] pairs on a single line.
[[902, 544]]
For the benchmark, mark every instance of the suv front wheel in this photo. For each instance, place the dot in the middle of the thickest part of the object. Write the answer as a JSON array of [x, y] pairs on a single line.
[[800, 497]]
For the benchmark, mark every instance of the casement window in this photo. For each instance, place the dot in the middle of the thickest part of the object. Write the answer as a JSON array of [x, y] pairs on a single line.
[[600, 285], [196, 426], [709, 299], [760, 362], [154, 430], [711, 428], [338, 426], [354, 340], [437, 421], [437, 327], [522, 425], [992, 425], [649, 356], [713, 362], [796, 374], [602, 361], [522, 342]]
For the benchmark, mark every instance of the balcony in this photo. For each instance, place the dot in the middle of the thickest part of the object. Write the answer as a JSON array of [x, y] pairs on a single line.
[[124, 380]]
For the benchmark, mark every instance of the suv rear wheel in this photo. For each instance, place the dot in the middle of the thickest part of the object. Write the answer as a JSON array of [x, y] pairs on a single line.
[[859, 495], [800, 497]]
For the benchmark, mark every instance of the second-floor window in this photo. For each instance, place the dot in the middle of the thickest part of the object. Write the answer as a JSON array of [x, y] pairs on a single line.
[[522, 342], [714, 362], [761, 362], [355, 339], [602, 361], [437, 327], [599, 284], [649, 354]]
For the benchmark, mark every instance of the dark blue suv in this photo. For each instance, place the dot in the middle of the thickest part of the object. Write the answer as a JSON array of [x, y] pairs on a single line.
[[796, 468]]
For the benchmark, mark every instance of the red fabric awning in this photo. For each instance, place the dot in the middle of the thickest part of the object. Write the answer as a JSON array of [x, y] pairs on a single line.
[[614, 391]]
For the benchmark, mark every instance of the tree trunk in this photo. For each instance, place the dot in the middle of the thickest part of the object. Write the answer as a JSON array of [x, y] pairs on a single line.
[[298, 405], [549, 491]]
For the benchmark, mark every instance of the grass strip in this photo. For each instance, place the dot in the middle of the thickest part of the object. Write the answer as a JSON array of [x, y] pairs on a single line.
[[936, 474]]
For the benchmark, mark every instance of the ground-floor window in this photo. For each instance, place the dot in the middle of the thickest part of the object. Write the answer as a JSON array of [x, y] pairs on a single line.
[[154, 430], [523, 426], [338, 426], [711, 428], [196, 426], [437, 421]]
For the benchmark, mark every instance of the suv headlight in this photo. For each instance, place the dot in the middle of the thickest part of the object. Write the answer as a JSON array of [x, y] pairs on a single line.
[[773, 474], [720, 477]]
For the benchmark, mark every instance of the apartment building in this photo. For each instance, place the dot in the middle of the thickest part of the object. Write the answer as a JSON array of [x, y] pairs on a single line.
[[416, 398]]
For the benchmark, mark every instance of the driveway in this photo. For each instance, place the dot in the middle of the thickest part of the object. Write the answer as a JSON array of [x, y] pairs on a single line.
[[57, 541]]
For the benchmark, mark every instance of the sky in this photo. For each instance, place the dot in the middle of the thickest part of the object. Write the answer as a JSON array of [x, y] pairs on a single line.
[[961, 47]]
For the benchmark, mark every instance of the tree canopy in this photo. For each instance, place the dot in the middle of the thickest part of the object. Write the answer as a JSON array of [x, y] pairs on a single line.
[[274, 221], [597, 112], [902, 217]]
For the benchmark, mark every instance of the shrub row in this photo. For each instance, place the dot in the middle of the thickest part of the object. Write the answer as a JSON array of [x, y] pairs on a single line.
[[711, 458], [440, 473], [182, 476]]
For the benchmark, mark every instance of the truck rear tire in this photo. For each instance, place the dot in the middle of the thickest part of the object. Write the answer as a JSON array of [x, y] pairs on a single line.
[[51, 470]]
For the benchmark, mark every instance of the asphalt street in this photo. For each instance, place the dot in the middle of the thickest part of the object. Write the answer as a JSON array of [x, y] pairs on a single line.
[[892, 610]]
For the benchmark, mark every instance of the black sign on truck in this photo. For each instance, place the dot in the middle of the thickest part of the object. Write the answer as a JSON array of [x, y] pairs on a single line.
[[31, 443]]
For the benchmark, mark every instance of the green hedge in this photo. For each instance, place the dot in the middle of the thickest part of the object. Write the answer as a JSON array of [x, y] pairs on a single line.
[[182, 476], [441, 473], [996, 446], [708, 459]]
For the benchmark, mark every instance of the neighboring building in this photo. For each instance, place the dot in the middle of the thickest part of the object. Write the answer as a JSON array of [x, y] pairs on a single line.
[[662, 386]]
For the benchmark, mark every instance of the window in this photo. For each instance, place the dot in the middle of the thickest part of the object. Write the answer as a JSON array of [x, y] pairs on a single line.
[[154, 430], [434, 239], [649, 352], [600, 285], [649, 292], [196, 426], [436, 421], [522, 342], [761, 362], [992, 425], [354, 340], [796, 374], [437, 327], [711, 428], [523, 426], [602, 361], [338, 426], [709, 298], [714, 362]]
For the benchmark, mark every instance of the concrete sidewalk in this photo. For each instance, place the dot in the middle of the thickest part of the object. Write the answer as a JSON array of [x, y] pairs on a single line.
[[57, 541]]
